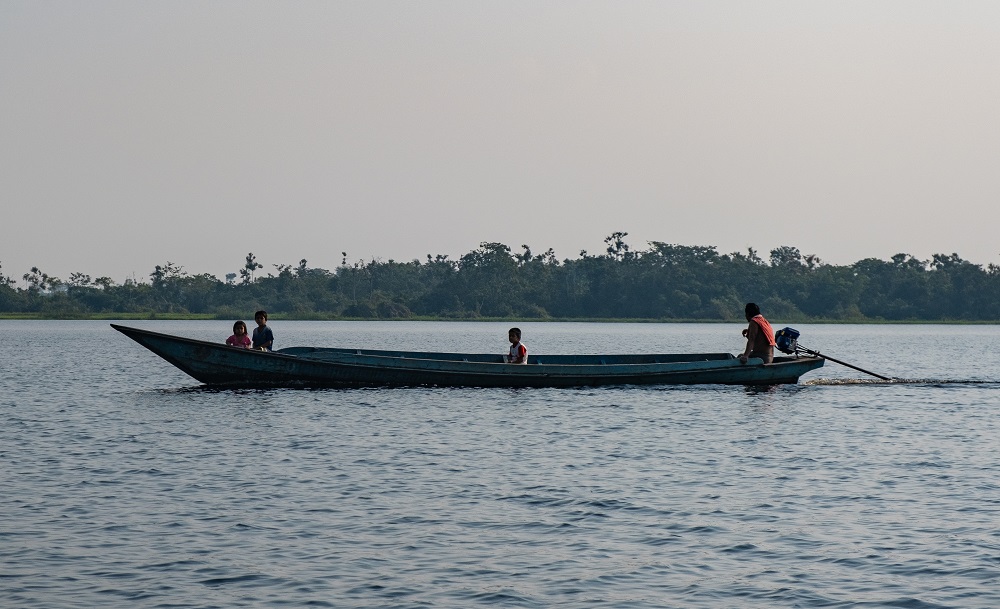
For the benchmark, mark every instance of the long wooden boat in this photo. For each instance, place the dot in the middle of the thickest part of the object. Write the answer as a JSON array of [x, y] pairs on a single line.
[[220, 364]]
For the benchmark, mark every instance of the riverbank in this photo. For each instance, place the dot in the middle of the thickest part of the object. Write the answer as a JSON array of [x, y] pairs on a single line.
[[320, 317]]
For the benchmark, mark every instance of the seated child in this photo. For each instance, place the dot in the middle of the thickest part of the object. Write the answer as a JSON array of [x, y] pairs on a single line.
[[518, 352], [239, 338], [263, 338]]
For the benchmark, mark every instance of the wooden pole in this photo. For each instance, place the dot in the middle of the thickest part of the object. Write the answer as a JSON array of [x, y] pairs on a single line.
[[818, 354]]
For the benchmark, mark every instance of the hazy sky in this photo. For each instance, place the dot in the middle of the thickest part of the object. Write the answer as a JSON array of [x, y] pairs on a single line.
[[136, 133]]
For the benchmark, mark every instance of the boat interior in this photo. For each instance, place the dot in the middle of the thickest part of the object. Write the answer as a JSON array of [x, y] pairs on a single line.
[[577, 359]]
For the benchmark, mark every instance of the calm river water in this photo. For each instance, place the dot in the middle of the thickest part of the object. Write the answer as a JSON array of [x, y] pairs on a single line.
[[123, 483]]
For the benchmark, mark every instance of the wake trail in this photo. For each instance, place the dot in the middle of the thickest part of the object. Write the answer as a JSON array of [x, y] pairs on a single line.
[[899, 381]]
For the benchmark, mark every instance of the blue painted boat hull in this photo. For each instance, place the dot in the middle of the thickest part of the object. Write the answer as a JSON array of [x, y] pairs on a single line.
[[220, 364]]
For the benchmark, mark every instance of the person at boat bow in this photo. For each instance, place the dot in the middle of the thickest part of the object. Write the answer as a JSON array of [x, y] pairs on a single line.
[[759, 335], [263, 338], [239, 337]]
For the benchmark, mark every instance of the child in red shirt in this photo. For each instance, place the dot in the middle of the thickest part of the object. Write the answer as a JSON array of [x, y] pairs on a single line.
[[518, 352]]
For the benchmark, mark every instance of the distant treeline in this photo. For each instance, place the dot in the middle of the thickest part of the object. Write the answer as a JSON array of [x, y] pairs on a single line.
[[661, 282]]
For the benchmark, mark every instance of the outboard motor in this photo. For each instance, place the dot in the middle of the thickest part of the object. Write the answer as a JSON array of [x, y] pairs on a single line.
[[787, 340]]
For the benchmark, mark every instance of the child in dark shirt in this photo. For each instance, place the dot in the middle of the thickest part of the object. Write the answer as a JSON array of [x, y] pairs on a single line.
[[263, 339]]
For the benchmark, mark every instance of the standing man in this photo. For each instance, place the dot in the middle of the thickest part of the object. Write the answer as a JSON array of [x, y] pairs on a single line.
[[760, 336]]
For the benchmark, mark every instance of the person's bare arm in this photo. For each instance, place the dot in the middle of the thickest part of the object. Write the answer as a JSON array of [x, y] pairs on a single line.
[[752, 331]]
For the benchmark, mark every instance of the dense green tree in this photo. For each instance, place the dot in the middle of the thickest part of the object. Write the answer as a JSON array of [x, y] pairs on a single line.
[[249, 267], [661, 281]]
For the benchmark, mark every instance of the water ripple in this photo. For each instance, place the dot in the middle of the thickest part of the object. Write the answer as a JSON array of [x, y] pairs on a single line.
[[840, 492]]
